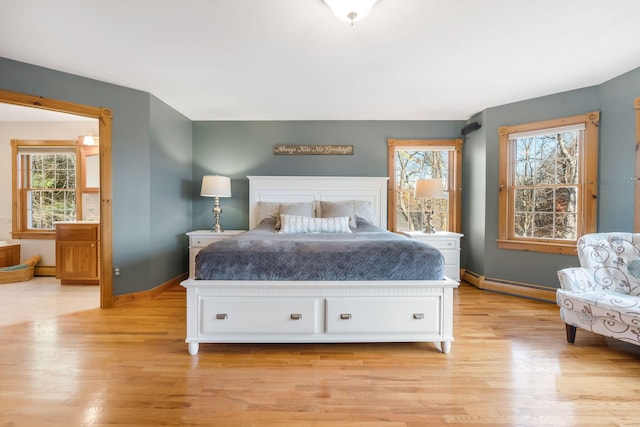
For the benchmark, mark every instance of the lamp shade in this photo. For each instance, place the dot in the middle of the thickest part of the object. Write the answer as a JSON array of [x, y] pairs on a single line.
[[215, 186], [428, 189], [350, 10]]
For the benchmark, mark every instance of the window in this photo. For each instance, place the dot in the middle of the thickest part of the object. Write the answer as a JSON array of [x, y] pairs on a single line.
[[411, 160], [548, 182], [44, 189]]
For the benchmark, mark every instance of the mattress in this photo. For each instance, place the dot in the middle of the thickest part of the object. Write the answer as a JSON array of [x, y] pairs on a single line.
[[367, 253]]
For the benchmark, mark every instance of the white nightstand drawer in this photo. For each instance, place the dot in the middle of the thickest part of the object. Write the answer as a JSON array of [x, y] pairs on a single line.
[[450, 256], [442, 243], [201, 242], [452, 272]]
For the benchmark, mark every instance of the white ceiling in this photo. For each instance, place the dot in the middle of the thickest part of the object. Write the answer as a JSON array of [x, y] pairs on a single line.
[[16, 113], [293, 60]]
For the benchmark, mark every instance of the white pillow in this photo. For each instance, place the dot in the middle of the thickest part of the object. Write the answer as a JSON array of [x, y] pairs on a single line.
[[305, 224]]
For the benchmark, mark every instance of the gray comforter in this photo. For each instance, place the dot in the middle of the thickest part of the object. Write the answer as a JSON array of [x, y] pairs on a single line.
[[369, 253]]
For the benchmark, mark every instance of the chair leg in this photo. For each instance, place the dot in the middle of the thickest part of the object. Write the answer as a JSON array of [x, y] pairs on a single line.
[[571, 333]]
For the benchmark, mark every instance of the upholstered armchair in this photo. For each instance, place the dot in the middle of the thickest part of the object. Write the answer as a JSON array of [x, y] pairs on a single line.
[[603, 294]]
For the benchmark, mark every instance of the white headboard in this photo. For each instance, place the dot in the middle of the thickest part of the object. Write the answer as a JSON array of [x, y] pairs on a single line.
[[309, 188]]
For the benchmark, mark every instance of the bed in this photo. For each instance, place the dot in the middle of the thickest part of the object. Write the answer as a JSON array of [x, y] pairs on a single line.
[[245, 302]]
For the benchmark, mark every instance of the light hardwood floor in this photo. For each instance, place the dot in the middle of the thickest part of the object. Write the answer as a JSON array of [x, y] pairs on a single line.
[[43, 298], [509, 366]]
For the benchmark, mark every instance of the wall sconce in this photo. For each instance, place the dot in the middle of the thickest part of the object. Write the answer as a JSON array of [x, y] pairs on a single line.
[[216, 186], [87, 140], [350, 10], [428, 189]]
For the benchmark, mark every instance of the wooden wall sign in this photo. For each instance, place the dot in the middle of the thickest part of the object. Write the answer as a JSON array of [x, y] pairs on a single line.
[[282, 149]]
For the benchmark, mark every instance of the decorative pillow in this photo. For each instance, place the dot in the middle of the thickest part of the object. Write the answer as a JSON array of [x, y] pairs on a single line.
[[267, 210], [300, 209], [353, 208], [305, 224], [363, 209], [338, 209]]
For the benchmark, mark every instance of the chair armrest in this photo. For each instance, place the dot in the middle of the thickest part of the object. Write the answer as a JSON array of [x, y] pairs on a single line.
[[577, 279]]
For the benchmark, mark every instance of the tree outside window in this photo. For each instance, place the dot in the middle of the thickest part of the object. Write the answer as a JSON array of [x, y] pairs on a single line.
[[51, 195], [44, 190], [411, 160], [547, 183]]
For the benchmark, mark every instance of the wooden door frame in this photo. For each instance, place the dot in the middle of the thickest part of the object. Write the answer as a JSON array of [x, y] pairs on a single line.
[[104, 117]]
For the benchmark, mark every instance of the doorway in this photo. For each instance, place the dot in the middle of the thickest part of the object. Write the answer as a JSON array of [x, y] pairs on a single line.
[[104, 116]]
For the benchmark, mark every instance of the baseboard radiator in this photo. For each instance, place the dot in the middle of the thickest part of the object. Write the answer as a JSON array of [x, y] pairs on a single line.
[[509, 287]]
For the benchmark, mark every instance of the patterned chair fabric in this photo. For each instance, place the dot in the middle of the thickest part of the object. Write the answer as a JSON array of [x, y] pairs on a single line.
[[603, 294]]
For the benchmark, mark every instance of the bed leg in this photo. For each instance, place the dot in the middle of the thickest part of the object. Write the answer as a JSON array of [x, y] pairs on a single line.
[[571, 333], [445, 346], [193, 348]]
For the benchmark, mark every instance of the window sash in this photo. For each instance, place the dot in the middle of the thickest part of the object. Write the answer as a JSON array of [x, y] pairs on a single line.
[[414, 209], [45, 186], [585, 183], [539, 219], [410, 212]]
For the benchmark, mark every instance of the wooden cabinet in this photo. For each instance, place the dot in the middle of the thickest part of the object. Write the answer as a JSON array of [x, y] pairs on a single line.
[[201, 238], [449, 244], [77, 253], [9, 255]]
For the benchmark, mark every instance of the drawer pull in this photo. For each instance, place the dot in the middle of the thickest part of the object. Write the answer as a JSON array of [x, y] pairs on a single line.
[[221, 316], [418, 316], [296, 316], [345, 316]]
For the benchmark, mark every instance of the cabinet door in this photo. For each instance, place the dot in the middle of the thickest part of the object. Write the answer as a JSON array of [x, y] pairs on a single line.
[[9, 255], [77, 260]]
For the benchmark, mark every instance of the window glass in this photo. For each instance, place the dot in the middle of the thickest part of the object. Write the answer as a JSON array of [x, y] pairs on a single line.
[[546, 190], [412, 165], [50, 192], [413, 160], [548, 183]]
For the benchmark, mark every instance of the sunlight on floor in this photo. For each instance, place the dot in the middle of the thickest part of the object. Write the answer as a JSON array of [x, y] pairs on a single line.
[[44, 298]]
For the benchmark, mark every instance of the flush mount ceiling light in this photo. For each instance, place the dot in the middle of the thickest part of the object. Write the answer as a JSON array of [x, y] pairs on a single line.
[[350, 10]]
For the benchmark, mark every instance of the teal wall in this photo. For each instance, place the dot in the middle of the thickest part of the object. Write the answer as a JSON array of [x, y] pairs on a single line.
[[159, 158], [614, 100], [140, 157], [239, 149], [170, 191], [617, 152], [474, 191]]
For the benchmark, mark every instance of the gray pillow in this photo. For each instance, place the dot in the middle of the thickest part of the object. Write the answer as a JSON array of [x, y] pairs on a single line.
[[267, 210], [338, 209], [299, 209], [351, 208]]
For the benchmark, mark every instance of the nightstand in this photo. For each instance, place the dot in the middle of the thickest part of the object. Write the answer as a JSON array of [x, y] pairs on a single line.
[[199, 239], [449, 244]]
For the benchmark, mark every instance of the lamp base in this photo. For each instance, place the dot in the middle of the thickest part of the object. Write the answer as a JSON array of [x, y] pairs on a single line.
[[217, 211], [428, 227]]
